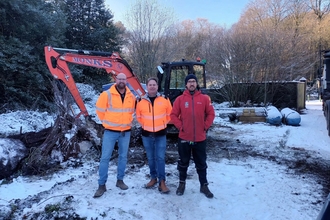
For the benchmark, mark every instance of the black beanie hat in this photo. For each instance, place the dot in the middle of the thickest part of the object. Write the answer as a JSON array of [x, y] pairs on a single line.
[[190, 76]]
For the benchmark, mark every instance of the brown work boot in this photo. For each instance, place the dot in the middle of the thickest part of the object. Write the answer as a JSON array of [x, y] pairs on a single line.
[[181, 188], [206, 191], [151, 183], [163, 188], [99, 192], [121, 185]]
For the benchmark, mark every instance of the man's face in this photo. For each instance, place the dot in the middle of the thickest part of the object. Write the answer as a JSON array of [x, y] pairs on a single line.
[[191, 85], [121, 81], [152, 87]]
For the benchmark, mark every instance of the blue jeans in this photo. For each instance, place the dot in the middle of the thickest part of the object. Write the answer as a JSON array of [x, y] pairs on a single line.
[[108, 143], [155, 148]]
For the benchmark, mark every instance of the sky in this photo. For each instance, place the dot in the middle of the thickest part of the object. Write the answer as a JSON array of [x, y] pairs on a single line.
[[221, 12], [248, 188]]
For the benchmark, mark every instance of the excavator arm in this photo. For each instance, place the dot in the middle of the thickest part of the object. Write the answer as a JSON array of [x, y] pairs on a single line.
[[57, 60]]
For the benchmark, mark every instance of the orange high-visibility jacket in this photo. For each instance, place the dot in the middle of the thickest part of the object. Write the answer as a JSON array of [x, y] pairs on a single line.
[[113, 113], [153, 118]]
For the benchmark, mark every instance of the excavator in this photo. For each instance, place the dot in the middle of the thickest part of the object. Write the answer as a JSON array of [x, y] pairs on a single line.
[[57, 60], [171, 75]]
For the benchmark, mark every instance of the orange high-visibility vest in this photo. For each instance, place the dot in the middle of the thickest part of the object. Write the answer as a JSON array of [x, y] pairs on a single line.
[[153, 118], [113, 113]]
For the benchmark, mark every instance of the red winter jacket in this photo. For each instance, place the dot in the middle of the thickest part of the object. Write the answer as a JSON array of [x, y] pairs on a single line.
[[192, 115]]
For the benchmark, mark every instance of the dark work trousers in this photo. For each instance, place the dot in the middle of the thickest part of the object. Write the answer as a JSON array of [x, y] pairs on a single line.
[[198, 151]]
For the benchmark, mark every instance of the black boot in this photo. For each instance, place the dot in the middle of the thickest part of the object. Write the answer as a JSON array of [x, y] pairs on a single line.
[[206, 191], [181, 188]]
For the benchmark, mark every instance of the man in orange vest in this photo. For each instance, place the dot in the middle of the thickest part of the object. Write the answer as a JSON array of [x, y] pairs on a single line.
[[153, 113], [115, 108]]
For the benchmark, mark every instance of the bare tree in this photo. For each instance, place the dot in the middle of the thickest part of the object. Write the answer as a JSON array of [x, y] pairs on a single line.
[[265, 47], [274, 40], [321, 9], [199, 38], [149, 22]]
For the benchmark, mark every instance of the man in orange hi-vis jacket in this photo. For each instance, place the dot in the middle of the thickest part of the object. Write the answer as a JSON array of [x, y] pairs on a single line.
[[153, 113], [115, 108]]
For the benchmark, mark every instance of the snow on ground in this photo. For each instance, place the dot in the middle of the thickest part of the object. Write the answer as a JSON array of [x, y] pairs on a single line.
[[24, 121], [312, 133], [29, 121], [249, 189], [252, 189]]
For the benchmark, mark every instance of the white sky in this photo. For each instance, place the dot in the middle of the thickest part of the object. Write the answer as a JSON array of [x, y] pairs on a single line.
[[252, 188], [221, 12]]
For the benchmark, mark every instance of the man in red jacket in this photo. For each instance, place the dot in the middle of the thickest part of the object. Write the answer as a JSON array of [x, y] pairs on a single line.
[[193, 115]]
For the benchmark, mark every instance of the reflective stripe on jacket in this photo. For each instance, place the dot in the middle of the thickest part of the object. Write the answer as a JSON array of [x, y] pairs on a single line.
[[113, 113], [153, 118], [193, 115]]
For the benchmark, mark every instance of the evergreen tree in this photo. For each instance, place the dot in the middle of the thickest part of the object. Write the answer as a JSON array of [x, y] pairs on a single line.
[[25, 28], [90, 27]]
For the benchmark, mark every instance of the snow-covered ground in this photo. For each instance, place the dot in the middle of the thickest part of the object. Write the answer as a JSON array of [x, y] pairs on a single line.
[[249, 189]]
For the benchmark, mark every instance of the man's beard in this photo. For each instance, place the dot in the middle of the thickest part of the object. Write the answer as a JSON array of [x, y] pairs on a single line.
[[121, 85], [192, 88]]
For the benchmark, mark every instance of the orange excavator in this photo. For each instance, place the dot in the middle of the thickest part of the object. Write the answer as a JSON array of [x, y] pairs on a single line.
[[57, 60], [170, 75]]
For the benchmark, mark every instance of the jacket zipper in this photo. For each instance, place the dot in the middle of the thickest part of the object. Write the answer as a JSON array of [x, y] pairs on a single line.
[[151, 110], [153, 118], [193, 114]]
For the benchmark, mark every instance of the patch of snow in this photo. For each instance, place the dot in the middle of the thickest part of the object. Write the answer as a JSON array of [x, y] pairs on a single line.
[[24, 121]]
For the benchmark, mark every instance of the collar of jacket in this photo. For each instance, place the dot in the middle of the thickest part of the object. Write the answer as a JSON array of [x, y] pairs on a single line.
[[113, 90], [146, 97], [187, 92]]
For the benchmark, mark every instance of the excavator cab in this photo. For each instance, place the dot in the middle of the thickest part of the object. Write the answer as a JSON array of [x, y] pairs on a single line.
[[171, 76], [171, 81]]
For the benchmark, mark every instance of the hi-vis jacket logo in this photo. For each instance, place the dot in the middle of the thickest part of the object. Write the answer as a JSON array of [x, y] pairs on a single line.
[[186, 104]]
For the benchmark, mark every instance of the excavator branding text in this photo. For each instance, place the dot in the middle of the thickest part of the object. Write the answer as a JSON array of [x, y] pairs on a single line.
[[93, 62]]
